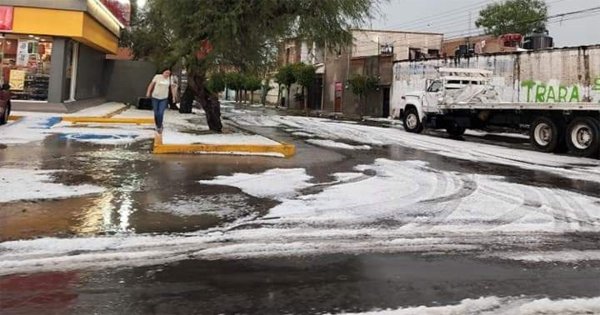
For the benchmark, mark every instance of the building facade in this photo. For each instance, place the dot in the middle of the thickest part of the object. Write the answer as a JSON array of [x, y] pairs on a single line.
[[291, 51], [55, 51], [372, 54]]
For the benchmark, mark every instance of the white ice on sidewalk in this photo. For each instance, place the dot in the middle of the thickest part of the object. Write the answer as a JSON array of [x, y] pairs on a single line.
[[183, 138], [23, 184], [98, 111]]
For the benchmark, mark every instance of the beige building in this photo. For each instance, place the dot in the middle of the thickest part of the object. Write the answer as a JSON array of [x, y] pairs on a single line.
[[372, 53], [484, 44]]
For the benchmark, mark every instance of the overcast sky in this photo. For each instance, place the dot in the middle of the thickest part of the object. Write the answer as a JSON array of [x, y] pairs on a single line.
[[451, 17]]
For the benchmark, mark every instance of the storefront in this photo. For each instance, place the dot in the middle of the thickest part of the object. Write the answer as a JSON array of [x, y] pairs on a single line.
[[26, 63], [55, 51]]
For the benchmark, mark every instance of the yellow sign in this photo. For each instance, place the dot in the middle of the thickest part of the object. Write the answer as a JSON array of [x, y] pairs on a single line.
[[17, 80]]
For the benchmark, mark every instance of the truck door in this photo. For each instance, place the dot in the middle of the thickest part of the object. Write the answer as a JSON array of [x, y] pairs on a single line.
[[432, 96]]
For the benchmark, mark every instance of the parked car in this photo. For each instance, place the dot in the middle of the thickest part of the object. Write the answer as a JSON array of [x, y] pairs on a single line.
[[4, 103]]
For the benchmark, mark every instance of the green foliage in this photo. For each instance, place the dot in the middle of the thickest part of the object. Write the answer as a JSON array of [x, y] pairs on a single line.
[[513, 16], [252, 83], [285, 75], [234, 80], [243, 33], [305, 74], [216, 82], [361, 84]]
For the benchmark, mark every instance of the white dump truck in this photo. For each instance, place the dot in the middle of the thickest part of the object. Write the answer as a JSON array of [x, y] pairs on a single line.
[[461, 99]]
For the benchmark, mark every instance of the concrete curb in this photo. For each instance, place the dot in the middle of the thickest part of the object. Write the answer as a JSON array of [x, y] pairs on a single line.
[[282, 150]]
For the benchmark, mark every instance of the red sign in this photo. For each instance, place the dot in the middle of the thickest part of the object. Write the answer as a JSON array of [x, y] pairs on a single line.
[[6, 18], [205, 48], [121, 9]]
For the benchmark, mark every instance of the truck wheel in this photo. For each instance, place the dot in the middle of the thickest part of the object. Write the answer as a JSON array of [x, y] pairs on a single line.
[[455, 130], [545, 135], [412, 123], [583, 137]]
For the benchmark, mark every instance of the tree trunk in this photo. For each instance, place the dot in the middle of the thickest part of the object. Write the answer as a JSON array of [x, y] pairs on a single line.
[[305, 98], [289, 88], [278, 95], [251, 97], [209, 101]]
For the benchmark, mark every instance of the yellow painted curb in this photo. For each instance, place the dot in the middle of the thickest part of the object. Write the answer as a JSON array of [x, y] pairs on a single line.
[[287, 150], [13, 117], [108, 120]]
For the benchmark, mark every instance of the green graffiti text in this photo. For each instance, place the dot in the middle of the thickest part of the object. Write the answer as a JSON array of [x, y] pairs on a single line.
[[542, 93]]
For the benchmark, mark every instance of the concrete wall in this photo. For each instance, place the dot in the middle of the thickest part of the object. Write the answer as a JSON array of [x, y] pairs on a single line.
[[559, 75], [90, 73], [127, 80], [58, 85]]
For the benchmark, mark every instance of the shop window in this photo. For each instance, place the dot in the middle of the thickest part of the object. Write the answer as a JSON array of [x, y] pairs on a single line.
[[25, 63]]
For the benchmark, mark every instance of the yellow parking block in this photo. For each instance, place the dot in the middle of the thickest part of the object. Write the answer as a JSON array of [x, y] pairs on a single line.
[[14, 117], [107, 120], [286, 150]]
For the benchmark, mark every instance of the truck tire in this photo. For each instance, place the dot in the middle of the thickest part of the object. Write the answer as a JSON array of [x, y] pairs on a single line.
[[545, 135], [455, 130], [583, 137], [412, 122]]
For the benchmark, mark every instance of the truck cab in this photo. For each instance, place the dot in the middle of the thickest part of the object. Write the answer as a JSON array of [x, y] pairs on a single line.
[[426, 108]]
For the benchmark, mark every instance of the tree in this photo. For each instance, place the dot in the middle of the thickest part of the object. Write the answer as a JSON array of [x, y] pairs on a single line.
[[513, 16], [285, 76], [252, 83], [265, 88], [305, 76], [216, 82], [234, 81], [239, 35], [360, 85]]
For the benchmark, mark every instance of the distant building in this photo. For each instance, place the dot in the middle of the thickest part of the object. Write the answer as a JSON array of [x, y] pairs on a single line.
[[484, 44], [372, 54], [291, 51]]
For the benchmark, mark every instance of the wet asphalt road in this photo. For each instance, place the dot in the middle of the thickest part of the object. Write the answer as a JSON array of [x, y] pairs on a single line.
[[141, 186]]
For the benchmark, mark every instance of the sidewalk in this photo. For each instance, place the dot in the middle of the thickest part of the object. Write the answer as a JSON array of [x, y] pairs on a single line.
[[43, 107], [118, 124]]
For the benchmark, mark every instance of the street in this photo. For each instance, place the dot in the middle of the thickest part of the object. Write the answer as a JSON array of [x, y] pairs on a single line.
[[365, 217]]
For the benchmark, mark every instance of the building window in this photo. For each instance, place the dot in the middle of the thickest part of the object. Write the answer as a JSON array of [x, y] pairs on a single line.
[[25, 63]]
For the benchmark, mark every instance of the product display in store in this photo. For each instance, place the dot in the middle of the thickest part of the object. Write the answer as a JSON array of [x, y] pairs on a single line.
[[25, 66]]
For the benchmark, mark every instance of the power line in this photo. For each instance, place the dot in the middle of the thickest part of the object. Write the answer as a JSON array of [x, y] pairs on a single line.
[[561, 17], [425, 20], [441, 25]]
